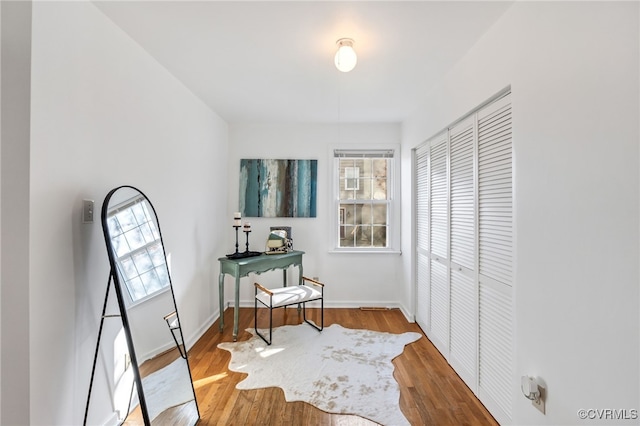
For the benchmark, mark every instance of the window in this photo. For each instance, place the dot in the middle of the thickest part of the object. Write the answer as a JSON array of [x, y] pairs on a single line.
[[137, 245], [364, 200]]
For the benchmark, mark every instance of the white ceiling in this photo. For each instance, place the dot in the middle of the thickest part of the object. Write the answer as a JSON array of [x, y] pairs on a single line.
[[269, 61]]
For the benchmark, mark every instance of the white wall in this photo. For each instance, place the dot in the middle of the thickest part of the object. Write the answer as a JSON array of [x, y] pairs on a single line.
[[351, 279], [1, 100], [14, 200], [573, 70], [104, 113]]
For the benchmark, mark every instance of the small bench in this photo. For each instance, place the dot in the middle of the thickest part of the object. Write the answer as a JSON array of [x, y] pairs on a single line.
[[285, 296]]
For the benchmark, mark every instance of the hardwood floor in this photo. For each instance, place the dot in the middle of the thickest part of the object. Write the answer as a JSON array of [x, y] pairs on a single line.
[[430, 391], [179, 415]]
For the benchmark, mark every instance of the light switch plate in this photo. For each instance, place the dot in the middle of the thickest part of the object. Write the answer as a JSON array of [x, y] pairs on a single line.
[[87, 211]]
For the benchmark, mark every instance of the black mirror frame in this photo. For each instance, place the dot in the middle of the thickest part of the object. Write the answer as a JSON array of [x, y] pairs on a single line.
[[122, 303]]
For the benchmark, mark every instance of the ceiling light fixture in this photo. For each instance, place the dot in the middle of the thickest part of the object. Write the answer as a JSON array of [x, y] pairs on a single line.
[[346, 58]]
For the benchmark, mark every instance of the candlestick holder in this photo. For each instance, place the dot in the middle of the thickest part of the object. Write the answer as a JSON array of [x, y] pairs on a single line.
[[247, 252], [236, 254], [247, 245]]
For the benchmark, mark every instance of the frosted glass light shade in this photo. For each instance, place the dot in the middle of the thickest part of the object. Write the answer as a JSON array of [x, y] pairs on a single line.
[[346, 58]]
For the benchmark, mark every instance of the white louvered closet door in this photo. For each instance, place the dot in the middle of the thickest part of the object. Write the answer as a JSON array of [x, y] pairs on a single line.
[[463, 295], [464, 264], [439, 243], [495, 253], [422, 236]]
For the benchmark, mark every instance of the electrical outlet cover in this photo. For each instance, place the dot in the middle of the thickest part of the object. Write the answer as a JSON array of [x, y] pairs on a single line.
[[539, 403]]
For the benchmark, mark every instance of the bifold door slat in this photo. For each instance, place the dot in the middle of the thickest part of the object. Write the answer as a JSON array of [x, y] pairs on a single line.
[[495, 345]]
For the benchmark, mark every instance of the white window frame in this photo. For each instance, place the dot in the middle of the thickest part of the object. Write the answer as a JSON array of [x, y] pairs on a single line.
[[393, 202]]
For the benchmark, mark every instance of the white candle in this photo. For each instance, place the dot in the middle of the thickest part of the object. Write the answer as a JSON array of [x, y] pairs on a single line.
[[237, 215], [247, 227]]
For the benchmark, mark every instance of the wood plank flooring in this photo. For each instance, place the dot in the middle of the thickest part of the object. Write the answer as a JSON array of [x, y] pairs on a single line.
[[430, 391]]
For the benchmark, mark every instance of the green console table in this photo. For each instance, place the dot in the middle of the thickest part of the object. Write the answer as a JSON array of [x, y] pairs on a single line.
[[239, 268]]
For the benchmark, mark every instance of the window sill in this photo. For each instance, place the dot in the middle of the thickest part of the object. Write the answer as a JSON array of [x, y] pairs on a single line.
[[365, 251]]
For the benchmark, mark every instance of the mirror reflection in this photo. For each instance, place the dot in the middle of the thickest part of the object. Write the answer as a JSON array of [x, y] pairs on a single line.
[[140, 270]]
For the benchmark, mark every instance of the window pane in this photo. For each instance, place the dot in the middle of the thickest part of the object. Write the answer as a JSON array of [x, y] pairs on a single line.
[[135, 239], [350, 232], [379, 189], [156, 254], [146, 233], [151, 281], [136, 289], [128, 268], [363, 236], [114, 226], [379, 166], [366, 168], [346, 180], [343, 232], [365, 189], [379, 238], [163, 275], [139, 212], [127, 220], [142, 261], [347, 195], [379, 214], [365, 214], [379, 183], [349, 216], [359, 163], [120, 245]]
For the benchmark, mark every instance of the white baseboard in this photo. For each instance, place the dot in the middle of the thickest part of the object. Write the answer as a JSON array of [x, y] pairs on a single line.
[[410, 318], [189, 340], [356, 304], [195, 336], [112, 420], [155, 352]]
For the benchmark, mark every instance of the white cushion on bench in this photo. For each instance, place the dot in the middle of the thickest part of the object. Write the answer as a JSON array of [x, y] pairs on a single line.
[[289, 295]]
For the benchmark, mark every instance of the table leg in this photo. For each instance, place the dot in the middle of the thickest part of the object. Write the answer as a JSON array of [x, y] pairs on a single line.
[[299, 283], [284, 282], [236, 310], [221, 296]]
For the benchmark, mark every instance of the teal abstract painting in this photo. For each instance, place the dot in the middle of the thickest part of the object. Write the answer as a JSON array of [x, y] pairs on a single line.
[[278, 188]]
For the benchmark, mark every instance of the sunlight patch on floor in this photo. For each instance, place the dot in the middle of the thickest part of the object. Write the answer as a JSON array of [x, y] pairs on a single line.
[[209, 380]]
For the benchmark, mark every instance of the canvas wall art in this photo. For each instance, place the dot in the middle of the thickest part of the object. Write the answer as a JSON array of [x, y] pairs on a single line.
[[278, 188]]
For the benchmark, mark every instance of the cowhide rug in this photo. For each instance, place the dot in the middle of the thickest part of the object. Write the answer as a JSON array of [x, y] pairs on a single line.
[[338, 370]]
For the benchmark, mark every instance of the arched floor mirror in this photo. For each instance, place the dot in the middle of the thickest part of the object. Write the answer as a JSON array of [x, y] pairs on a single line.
[[141, 276]]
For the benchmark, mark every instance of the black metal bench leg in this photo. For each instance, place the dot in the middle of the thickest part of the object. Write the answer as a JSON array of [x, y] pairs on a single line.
[[270, 325], [255, 321], [304, 315]]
